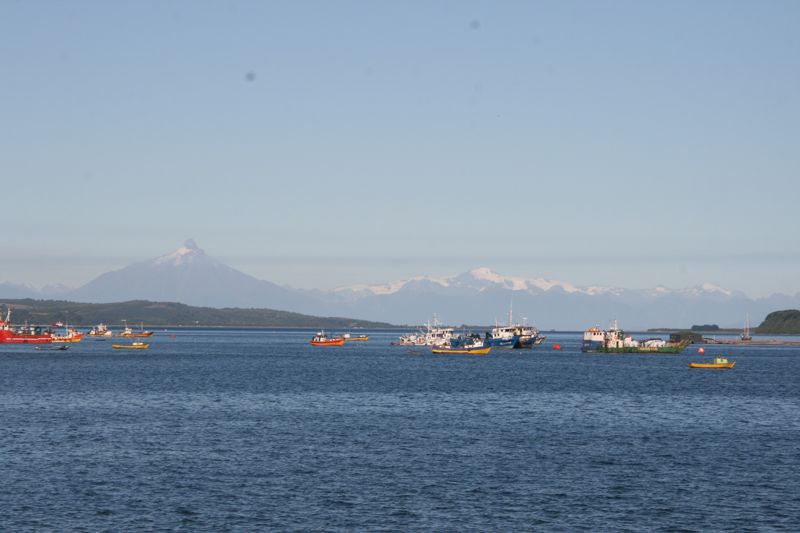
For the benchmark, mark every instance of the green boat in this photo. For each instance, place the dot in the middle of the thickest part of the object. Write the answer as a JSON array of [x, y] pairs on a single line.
[[615, 341]]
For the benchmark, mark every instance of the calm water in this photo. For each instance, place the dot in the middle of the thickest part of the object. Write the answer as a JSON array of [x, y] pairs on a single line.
[[258, 430]]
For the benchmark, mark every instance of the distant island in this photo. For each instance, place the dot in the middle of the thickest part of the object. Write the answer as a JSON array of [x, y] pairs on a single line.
[[167, 314], [784, 322]]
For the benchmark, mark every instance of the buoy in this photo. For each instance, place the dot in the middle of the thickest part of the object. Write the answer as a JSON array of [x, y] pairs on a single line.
[[701, 350], [556, 346]]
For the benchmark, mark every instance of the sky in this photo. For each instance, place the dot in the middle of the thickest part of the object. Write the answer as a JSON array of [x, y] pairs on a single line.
[[321, 144]]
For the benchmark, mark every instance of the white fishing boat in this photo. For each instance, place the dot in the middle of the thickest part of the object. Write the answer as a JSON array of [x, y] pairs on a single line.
[[434, 334]]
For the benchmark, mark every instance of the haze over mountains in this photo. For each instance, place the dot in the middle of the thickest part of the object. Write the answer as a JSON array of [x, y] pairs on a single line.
[[188, 275]]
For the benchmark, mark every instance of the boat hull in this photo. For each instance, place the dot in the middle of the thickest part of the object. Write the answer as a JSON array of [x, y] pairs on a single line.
[[331, 342], [713, 366], [472, 351], [130, 346], [7, 337]]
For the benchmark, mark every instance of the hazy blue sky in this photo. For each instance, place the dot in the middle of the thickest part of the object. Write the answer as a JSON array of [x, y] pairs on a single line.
[[626, 143]]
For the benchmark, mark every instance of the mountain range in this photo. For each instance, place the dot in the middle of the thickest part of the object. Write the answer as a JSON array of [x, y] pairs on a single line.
[[481, 296]]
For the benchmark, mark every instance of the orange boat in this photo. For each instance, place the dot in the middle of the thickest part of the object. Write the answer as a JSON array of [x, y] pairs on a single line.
[[320, 339], [71, 335]]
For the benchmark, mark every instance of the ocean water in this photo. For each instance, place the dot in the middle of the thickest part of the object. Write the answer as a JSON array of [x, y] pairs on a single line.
[[257, 430]]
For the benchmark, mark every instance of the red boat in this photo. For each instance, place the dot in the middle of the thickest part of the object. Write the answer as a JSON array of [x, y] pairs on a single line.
[[320, 339], [24, 335]]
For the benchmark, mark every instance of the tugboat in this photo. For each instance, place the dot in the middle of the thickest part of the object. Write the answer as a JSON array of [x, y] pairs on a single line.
[[22, 335], [320, 339], [719, 363]]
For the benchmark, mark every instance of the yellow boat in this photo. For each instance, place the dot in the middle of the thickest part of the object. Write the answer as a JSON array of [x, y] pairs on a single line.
[[348, 337], [131, 346], [719, 363], [470, 351]]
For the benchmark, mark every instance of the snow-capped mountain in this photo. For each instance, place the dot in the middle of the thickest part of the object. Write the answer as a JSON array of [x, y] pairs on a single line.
[[482, 296], [479, 296], [189, 276], [483, 278]]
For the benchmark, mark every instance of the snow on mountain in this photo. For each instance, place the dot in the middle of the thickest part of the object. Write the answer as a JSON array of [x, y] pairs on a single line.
[[481, 278], [189, 276]]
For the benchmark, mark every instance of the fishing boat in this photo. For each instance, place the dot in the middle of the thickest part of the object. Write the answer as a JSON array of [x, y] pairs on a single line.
[[350, 337], [100, 330], [70, 335], [135, 345], [513, 335], [433, 335], [320, 339], [128, 332], [720, 363], [481, 350], [22, 334], [616, 341]]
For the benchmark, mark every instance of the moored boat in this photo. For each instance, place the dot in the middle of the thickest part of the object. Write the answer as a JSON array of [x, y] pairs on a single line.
[[350, 337], [70, 335], [616, 341], [22, 334], [465, 350], [320, 339], [100, 330], [720, 363], [128, 332], [513, 335], [59, 347], [434, 334], [135, 345]]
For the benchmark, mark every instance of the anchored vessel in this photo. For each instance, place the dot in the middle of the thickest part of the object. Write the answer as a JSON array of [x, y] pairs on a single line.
[[433, 335], [22, 334], [320, 339], [135, 345], [720, 363], [615, 341], [513, 335]]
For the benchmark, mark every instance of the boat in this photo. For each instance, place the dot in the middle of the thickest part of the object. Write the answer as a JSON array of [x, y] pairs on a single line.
[[70, 335], [128, 332], [720, 363], [350, 337], [513, 335], [22, 334], [745, 336], [465, 350], [616, 341], [59, 347], [320, 339], [433, 335], [100, 330], [135, 345]]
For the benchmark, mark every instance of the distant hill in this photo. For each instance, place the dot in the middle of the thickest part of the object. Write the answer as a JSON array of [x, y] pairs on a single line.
[[787, 322], [166, 314]]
